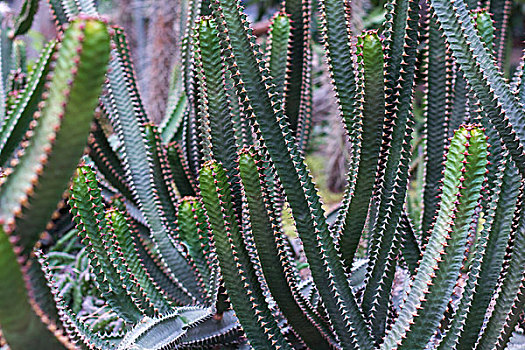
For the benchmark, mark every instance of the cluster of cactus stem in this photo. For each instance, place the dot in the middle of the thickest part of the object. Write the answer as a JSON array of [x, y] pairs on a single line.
[[182, 222]]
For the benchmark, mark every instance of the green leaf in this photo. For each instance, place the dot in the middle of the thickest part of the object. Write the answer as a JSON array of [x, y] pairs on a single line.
[[77, 331]]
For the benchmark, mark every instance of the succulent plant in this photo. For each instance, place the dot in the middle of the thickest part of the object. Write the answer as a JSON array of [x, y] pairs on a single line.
[[182, 223], [43, 135]]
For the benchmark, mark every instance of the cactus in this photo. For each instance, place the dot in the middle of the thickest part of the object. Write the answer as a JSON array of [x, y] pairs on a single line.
[[181, 223], [51, 121]]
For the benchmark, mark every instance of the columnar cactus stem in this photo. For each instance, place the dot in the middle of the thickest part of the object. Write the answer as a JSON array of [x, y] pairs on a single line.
[[182, 226], [427, 297]]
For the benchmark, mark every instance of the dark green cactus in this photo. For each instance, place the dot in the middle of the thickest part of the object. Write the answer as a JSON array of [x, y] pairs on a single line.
[[181, 226]]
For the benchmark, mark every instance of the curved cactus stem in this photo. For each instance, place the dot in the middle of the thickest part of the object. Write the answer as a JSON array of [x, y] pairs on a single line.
[[356, 203], [396, 151], [59, 14], [186, 327], [437, 273], [191, 142], [475, 60], [502, 190], [39, 292], [140, 157], [17, 79], [240, 123], [3, 83], [114, 282], [298, 89], [192, 11], [17, 121], [518, 80], [458, 113], [275, 259], [438, 97], [512, 319], [265, 115], [336, 32], [19, 56], [180, 170], [87, 7], [107, 161], [235, 261], [163, 332], [409, 247], [45, 164], [279, 38], [481, 284], [155, 268], [77, 331], [492, 263], [21, 326], [215, 108], [212, 331], [67, 10], [6, 63], [500, 10], [71, 8], [242, 129], [173, 122], [509, 290], [161, 174], [192, 231], [131, 259], [453, 321], [130, 87]]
